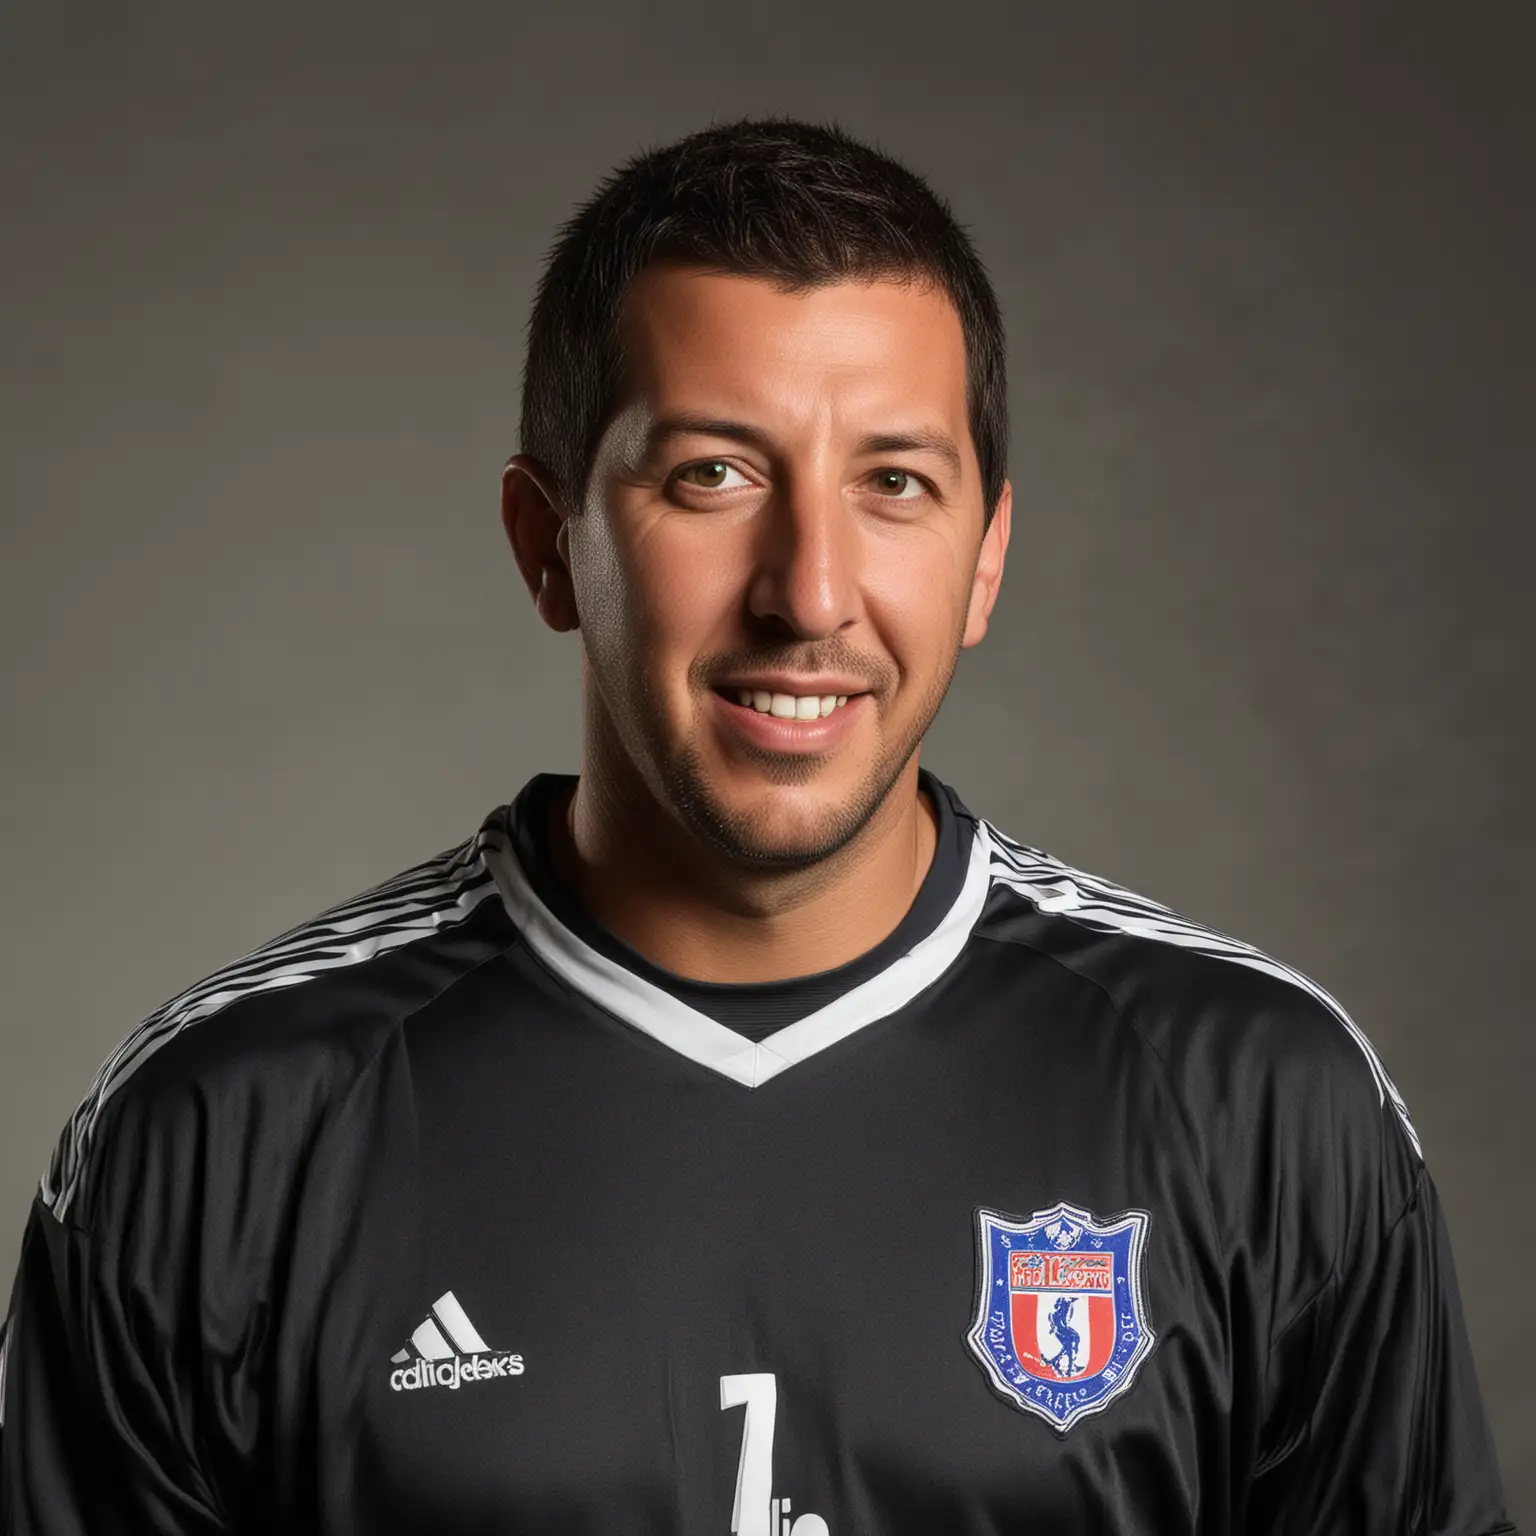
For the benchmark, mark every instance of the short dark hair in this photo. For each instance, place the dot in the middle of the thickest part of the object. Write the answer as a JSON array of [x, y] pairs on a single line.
[[798, 203]]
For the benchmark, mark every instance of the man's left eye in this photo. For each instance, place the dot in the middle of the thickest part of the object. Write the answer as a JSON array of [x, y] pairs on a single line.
[[898, 484]]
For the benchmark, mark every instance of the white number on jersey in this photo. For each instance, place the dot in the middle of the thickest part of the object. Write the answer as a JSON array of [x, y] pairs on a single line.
[[756, 1512]]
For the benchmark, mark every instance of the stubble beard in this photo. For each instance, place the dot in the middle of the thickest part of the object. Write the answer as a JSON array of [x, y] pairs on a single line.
[[741, 836]]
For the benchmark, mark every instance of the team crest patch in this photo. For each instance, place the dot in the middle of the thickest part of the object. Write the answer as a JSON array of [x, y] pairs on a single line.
[[1061, 1324]]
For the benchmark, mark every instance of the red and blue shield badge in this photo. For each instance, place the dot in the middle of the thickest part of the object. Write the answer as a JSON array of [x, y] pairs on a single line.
[[1061, 1324]]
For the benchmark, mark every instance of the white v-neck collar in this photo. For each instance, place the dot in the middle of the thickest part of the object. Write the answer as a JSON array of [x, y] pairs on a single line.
[[704, 1040]]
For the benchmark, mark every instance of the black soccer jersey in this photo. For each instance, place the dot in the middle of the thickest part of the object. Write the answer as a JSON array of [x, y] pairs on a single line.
[[448, 1212]]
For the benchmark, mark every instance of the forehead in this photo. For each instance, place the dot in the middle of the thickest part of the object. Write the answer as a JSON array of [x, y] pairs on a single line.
[[847, 350]]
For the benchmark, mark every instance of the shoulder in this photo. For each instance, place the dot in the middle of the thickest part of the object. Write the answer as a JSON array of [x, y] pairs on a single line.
[[249, 1053], [1266, 1062]]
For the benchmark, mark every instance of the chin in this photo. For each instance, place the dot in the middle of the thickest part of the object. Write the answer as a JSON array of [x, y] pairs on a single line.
[[791, 842], [788, 821]]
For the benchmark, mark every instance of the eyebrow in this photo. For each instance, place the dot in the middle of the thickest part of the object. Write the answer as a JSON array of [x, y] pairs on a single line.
[[919, 440]]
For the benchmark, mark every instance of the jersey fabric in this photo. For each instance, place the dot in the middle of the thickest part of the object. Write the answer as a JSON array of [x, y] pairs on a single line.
[[447, 1211]]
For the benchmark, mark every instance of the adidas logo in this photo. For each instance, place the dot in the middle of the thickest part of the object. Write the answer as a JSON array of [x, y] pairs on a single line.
[[447, 1351]]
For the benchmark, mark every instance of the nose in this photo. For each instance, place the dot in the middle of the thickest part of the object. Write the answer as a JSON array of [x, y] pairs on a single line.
[[805, 576]]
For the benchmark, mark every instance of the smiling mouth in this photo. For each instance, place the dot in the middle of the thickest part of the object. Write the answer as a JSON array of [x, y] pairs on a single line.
[[787, 706]]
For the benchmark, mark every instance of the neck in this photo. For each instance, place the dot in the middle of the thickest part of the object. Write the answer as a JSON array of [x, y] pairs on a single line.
[[687, 908]]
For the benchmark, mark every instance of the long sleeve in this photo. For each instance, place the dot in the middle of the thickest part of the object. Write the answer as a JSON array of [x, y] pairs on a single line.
[[137, 1384], [99, 1423], [1375, 1391]]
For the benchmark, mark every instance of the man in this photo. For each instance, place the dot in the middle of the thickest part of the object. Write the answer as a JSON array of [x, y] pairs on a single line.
[[744, 1136]]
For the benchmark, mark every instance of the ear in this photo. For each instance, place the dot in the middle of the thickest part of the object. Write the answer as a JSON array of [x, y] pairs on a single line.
[[535, 526], [988, 576]]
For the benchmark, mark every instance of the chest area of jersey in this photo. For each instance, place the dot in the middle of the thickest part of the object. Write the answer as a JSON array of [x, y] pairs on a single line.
[[926, 1291]]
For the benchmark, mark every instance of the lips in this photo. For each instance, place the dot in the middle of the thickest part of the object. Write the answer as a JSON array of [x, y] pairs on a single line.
[[801, 722], [787, 706]]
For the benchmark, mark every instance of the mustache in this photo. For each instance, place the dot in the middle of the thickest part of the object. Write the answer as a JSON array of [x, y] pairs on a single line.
[[878, 672]]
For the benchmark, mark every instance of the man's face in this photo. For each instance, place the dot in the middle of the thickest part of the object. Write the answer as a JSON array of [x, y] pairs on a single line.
[[785, 515]]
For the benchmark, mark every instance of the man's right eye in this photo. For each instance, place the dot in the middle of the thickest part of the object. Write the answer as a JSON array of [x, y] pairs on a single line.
[[711, 475]]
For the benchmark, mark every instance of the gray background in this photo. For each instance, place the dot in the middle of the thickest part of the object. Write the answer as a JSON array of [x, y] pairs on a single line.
[[1264, 644]]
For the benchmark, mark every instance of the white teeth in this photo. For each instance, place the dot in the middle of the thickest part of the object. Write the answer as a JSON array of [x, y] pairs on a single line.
[[789, 706]]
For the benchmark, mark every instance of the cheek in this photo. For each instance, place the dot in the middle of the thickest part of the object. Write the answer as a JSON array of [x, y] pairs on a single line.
[[652, 599], [916, 598], [597, 576]]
